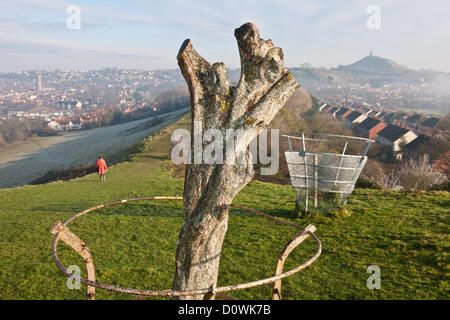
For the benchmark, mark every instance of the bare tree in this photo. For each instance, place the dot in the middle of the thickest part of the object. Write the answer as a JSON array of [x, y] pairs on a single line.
[[250, 105], [419, 174]]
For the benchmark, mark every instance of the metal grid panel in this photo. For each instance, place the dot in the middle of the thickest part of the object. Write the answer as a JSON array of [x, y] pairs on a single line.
[[332, 173], [325, 172]]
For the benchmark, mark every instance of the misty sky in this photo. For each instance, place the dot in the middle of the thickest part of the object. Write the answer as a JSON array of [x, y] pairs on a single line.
[[147, 34]]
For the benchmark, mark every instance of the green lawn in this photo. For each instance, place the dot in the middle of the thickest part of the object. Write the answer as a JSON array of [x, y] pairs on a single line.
[[134, 244]]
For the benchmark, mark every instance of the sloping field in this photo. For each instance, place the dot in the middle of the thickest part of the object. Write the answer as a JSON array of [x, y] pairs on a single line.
[[25, 162], [133, 244]]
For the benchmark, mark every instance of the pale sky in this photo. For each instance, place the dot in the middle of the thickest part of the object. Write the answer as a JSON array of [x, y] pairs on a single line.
[[141, 34]]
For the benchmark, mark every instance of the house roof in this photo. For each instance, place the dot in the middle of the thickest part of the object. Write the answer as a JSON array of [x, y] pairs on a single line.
[[431, 122], [417, 142], [369, 123], [62, 121], [334, 109], [414, 118], [341, 111], [388, 117], [326, 107], [354, 115], [392, 132]]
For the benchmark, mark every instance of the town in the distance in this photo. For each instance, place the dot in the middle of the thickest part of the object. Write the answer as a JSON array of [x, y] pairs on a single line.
[[377, 97]]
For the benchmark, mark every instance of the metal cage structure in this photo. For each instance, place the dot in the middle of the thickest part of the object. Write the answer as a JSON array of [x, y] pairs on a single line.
[[310, 169]]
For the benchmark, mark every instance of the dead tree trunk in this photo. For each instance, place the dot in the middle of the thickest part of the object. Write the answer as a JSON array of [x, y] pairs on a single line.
[[250, 105]]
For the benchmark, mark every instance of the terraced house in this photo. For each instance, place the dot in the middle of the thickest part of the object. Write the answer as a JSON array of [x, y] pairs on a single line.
[[333, 111], [342, 113], [369, 128], [396, 137], [354, 118]]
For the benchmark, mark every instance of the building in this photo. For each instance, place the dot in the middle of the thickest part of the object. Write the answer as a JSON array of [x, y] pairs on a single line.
[[354, 117], [431, 122], [395, 137], [322, 107], [381, 115], [39, 83], [388, 117], [414, 119], [59, 125], [333, 110], [414, 145], [326, 108], [429, 126], [53, 125], [74, 125], [441, 164], [369, 112], [369, 128], [399, 118], [342, 113], [376, 113]]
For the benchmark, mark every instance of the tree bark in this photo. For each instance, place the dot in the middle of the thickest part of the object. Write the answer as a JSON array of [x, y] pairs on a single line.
[[250, 105]]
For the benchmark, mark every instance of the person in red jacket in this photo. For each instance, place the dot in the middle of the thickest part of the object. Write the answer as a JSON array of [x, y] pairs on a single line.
[[102, 168]]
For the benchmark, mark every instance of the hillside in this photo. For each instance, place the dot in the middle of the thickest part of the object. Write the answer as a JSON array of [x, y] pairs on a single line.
[[370, 69], [133, 244], [26, 161], [374, 65]]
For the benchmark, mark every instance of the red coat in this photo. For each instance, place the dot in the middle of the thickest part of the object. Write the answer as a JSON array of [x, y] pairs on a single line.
[[101, 166]]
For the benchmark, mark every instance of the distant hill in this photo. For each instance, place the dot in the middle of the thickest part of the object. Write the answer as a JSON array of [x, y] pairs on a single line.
[[374, 65], [371, 69], [397, 86]]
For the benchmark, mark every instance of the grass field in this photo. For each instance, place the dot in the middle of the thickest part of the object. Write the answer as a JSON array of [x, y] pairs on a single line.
[[24, 162], [134, 244]]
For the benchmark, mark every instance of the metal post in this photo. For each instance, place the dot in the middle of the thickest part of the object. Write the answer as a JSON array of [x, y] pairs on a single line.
[[367, 148], [340, 162], [316, 162], [306, 173]]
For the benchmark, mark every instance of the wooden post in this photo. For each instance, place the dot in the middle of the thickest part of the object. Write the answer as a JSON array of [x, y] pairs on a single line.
[[80, 247], [315, 180]]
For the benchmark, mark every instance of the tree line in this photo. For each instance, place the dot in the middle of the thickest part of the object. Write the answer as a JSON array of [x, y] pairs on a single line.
[[14, 130]]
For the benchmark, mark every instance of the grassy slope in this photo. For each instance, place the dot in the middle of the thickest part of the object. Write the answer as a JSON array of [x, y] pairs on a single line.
[[134, 244]]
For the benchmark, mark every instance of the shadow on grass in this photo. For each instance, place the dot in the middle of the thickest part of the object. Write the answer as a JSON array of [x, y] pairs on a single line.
[[277, 213], [138, 208], [154, 157], [143, 209]]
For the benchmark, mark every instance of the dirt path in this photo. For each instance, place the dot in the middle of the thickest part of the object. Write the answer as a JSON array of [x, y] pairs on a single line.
[[22, 163]]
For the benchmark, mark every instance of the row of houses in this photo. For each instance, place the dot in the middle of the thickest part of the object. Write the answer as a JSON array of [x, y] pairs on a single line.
[[415, 122], [64, 125], [370, 127], [72, 122]]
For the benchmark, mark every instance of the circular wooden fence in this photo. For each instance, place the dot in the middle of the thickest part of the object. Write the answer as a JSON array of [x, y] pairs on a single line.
[[61, 232]]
